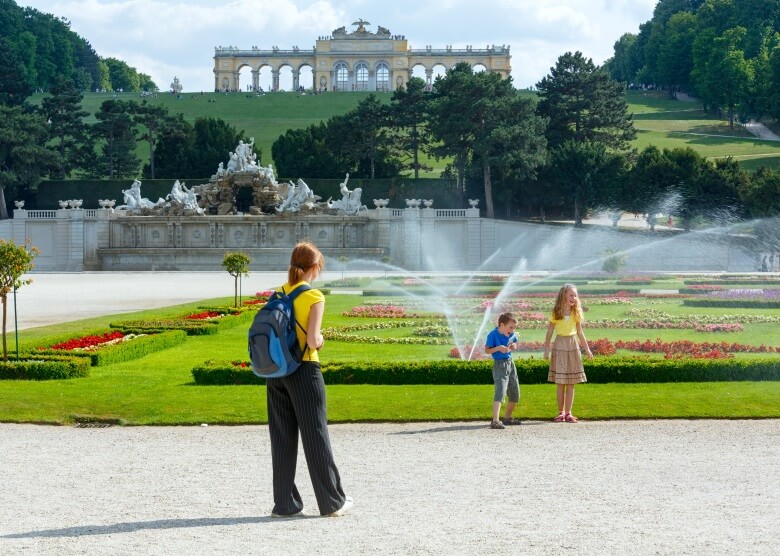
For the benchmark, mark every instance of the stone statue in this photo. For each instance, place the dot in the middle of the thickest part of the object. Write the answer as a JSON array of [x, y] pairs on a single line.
[[187, 198], [232, 165], [298, 196], [350, 202], [340, 31], [134, 201]]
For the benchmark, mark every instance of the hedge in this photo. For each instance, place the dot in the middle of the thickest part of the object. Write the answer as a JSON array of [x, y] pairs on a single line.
[[44, 367], [126, 351], [193, 327], [736, 281], [530, 371], [733, 303]]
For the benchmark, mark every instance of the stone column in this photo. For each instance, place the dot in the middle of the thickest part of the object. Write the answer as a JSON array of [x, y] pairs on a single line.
[[476, 240], [371, 80], [428, 78], [296, 75], [274, 79], [255, 80], [412, 247]]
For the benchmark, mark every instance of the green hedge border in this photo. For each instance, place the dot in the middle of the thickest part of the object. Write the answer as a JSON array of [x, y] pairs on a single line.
[[125, 351], [529, 371], [44, 367]]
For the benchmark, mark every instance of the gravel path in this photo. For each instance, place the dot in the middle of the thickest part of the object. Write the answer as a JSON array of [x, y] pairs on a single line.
[[609, 487]]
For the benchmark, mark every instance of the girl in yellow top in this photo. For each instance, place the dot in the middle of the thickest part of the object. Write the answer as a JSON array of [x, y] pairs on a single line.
[[296, 403], [566, 368]]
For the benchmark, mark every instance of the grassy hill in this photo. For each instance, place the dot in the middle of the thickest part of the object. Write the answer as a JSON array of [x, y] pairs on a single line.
[[660, 121]]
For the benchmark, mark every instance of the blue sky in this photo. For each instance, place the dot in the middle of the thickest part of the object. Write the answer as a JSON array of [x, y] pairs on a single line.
[[167, 38]]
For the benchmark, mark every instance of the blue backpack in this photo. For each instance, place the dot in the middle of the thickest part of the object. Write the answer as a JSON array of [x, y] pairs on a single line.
[[273, 345]]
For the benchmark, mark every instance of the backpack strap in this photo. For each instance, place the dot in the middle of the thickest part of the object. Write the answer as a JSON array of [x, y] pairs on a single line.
[[293, 295]]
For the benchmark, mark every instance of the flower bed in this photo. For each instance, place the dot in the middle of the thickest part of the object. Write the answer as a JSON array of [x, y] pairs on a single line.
[[693, 349], [101, 350], [722, 327], [205, 322]]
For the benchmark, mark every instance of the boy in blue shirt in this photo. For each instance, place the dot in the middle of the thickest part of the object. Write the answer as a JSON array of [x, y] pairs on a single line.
[[500, 343]]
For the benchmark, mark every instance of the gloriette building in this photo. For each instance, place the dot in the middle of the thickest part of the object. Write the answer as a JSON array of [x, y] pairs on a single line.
[[358, 61]]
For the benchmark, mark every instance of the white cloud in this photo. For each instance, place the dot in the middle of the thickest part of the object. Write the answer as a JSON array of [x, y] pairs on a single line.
[[164, 38]]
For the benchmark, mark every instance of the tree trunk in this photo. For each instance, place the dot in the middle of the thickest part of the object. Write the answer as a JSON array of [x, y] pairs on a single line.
[[541, 214], [151, 160], [5, 347], [3, 208], [488, 190], [416, 153], [235, 291], [577, 214]]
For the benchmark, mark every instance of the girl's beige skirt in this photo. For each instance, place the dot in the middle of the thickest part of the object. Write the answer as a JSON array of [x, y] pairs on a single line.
[[566, 361]]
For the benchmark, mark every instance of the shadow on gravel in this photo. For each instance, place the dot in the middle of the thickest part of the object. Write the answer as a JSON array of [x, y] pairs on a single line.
[[474, 427], [130, 527]]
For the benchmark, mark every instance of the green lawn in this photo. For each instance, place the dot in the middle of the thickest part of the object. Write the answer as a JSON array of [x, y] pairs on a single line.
[[159, 388], [660, 121]]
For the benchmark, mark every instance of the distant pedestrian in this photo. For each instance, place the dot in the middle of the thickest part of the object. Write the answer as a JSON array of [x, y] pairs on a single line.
[[296, 403], [499, 344], [566, 368]]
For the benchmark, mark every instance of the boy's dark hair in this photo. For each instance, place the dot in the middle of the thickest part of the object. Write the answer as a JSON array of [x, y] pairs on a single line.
[[505, 318]]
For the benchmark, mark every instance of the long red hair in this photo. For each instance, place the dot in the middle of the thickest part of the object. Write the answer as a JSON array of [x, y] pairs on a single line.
[[304, 256]]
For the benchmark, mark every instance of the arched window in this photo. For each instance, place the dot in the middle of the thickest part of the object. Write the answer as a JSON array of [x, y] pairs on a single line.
[[361, 76], [382, 77], [342, 76]]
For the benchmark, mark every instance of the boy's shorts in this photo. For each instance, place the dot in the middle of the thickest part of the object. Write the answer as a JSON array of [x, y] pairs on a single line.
[[505, 379]]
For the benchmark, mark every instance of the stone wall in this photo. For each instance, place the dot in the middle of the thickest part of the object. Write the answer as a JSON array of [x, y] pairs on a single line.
[[413, 238]]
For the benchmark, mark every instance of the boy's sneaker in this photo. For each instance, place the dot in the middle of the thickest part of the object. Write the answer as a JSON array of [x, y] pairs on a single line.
[[343, 509], [497, 425], [511, 421], [282, 516]]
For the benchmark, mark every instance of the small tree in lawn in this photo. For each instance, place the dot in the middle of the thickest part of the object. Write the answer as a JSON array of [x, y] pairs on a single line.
[[15, 261], [236, 264]]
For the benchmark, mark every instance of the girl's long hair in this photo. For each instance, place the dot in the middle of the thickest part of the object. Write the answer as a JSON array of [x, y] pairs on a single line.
[[560, 303], [304, 256]]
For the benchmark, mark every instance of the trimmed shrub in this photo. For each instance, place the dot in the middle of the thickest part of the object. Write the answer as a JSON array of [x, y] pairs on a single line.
[[191, 327], [530, 371], [44, 367], [126, 351]]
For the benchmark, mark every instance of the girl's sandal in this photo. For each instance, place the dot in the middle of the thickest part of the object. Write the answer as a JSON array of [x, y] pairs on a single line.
[[571, 418], [560, 418]]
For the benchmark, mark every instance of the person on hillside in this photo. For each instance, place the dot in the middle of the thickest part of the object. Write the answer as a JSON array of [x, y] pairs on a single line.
[[499, 344], [296, 403], [566, 368]]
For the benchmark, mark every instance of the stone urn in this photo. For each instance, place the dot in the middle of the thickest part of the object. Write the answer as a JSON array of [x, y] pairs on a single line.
[[77, 203], [428, 203], [110, 203], [381, 203], [19, 204], [473, 202], [63, 204], [103, 203]]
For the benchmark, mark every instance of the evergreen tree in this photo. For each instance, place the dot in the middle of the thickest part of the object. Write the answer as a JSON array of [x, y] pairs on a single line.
[[116, 133], [475, 117], [582, 103], [24, 160], [175, 151], [214, 140], [409, 114], [69, 134], [151, 121]]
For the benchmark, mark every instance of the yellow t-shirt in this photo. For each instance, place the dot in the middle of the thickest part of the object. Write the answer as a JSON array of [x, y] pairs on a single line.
[[302, 307], [565, 326]]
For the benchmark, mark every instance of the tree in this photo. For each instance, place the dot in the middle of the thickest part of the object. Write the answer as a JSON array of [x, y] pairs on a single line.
[[152, 121], [674, 61], [14, 87], [24, 160], [360, 137], [15, 262], [69, 134], [122, 76], [729, 76], [761, 194], [475, 116], [236, 264], [409, 114], [583, 170], [175, 152], [625, 63], [116, 131], [582, 103], [146, 83], [306, 152]]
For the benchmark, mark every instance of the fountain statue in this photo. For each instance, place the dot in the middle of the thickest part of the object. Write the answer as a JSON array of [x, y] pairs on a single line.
[[350, 202], [134, 201]]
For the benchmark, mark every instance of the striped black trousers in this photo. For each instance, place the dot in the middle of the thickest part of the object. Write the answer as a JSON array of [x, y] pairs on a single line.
[[297, 403]]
